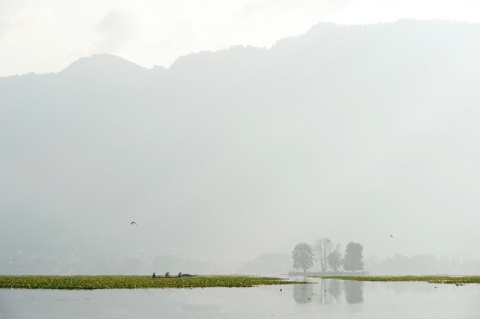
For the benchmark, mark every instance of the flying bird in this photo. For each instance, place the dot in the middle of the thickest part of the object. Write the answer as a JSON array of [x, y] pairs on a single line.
[[391, 235], [133, 223]]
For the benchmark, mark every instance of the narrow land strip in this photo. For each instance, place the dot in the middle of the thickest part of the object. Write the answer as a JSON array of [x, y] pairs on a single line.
[[458, 280]]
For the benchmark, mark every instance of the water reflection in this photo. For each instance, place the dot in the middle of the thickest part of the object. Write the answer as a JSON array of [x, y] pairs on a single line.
[[325, 291], [334, 289], [325, 297], [303, 293], [353, 291]]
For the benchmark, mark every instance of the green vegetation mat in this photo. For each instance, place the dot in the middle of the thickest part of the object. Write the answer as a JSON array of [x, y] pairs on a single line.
[[460, 280], [132, 282]]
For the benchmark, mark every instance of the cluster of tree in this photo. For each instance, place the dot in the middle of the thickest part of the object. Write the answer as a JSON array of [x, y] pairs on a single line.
[[328, 255]]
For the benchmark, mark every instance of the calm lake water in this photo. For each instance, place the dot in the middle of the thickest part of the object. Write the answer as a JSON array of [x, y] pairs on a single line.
[[324, 299]]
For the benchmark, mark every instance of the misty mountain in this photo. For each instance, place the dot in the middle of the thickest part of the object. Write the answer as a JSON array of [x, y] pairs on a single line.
[[347, 132]]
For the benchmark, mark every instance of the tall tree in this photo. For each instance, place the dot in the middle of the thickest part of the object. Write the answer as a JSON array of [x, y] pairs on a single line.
[[353, 257], [302, 256], [335, 258], [323, 248]]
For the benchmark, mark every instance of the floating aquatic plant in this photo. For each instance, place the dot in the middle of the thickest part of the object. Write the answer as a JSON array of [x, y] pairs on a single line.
[[132, 282]]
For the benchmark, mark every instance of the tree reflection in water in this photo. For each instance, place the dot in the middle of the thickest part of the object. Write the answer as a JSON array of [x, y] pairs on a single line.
[[327, 291], [303, 293], [325, 294], [353, 291], [334, 289]]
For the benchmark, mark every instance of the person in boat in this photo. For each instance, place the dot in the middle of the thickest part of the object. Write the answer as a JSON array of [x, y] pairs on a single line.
[[153, 276], [179, 274], [167, 275]]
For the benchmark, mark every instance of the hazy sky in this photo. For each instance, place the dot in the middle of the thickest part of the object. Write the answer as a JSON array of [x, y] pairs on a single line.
[[352, 133], [46, 36]]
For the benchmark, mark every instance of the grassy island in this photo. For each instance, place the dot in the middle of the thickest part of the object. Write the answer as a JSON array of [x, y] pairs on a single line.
[[458, 280], [133, 282]]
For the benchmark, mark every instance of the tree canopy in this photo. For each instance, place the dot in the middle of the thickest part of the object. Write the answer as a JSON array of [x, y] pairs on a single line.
[[302, 256], [335, 258], [353, 257], [323, 248]]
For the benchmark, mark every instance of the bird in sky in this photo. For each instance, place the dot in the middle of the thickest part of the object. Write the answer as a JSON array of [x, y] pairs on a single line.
[[133, 223], [391, 235]]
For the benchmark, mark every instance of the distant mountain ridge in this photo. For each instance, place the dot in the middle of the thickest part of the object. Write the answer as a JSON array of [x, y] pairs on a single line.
[[107, 62], [320, 39]]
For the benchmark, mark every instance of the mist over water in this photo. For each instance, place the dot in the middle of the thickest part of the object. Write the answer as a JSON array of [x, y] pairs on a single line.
[[352, 133]]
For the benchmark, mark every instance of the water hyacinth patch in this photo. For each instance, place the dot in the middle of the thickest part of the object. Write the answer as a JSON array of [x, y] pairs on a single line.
[[133, 282]]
